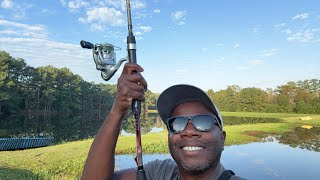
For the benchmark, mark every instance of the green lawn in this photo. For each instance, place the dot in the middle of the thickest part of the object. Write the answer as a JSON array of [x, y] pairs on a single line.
[[65, 161]]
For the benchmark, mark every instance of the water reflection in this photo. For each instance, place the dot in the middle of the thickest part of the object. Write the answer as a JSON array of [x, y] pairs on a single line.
[[59, 127], [272, 160], [263, 161], [147, 123], [62, 127], [304, 138]]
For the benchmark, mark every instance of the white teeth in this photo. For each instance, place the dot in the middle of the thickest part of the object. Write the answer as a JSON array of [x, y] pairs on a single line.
[[191, 148]]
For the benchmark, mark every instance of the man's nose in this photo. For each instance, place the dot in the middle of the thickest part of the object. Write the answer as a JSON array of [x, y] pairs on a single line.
[[190, 131]]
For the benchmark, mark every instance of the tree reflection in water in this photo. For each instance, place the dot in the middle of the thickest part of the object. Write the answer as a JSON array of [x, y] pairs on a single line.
[[64, 127], [68, 127], [147, 123], [303, 138]]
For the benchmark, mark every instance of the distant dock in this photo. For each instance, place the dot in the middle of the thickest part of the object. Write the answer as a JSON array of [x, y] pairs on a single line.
[[7, 144]]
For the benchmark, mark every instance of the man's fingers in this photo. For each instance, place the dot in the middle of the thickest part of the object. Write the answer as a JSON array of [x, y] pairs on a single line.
[[144, 83], [136, 87], [130, 67], [136, 95], [131, 90], [137, 79]]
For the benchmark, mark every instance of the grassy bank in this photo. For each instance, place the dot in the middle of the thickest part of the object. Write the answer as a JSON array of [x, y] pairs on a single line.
[[65, 161]]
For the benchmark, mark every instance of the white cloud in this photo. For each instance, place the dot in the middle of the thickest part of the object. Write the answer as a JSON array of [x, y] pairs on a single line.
[[42, 52], [256, 29], [82, 20], [269, 52], [137, 4], [7, 4], [97, 27], [107, 15], [236, 45], [31, 43], [287, 31], [46, 11], [300, 31], [219, 44], [145, 28], [76, 4], [301, 16], [219, 59], [138, 33], [280, 25], [14, 28], [22, 26], [139, 15], [18, 10], [156, 11], [9, 32], [115, 4], [179, 17], [141, 30], [120, 5], [100, 15], [256, 62], [306, 36]]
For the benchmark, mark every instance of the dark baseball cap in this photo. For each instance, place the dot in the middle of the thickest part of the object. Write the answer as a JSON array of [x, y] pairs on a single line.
[[177, 94]]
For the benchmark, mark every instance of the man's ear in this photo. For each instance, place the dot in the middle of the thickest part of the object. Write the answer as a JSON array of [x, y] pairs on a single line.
[[223, 136]]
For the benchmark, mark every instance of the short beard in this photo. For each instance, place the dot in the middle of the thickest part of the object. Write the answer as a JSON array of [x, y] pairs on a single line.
[[196, 169]]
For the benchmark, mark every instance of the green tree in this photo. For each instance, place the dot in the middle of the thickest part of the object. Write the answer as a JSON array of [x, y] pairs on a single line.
[[253, 100], [13, 74], [233, 98]]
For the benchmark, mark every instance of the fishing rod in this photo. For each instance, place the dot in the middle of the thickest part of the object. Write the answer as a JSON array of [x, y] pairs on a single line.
[[105, 60], [136, 104]]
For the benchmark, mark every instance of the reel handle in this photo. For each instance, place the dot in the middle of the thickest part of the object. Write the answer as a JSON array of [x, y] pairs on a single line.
[[86, 44]]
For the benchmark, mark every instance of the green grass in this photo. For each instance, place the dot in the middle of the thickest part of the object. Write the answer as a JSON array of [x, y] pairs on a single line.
[[65, 161], [266, 115]]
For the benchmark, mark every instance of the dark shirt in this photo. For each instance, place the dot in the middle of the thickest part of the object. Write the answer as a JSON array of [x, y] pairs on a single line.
[[168, 169]]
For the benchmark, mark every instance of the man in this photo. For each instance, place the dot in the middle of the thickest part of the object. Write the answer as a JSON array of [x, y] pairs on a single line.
[[196, 136]]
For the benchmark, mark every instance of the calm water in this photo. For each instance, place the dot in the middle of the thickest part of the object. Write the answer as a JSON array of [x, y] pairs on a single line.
[[62, 127], [264, 161], [293, 155]]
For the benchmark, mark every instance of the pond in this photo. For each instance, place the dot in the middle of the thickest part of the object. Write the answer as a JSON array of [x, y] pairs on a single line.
[[293, 155], [63, 128]]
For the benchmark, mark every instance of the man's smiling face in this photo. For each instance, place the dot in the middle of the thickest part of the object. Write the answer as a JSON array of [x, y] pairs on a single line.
[[194, 151]]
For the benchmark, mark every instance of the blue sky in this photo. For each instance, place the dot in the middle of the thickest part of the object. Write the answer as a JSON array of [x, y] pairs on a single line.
[[207, 43]]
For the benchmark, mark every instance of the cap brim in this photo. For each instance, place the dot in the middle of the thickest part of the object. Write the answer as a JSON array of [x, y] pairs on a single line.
[[178, 94]]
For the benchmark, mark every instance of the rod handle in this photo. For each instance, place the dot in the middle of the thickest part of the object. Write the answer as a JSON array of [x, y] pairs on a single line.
[[141, 175], [136, 104]]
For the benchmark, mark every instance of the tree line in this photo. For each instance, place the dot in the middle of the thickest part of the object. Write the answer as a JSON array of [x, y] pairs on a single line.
[[25, 89], [293, 97]]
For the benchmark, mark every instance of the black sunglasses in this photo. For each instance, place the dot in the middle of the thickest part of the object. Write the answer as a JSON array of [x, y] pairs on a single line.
[[202, 123]]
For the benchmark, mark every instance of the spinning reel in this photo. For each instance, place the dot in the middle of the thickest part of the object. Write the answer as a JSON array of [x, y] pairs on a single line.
[[105, 58]]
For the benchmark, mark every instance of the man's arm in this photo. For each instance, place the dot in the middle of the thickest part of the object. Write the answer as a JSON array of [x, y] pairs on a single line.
[[100, 161]]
